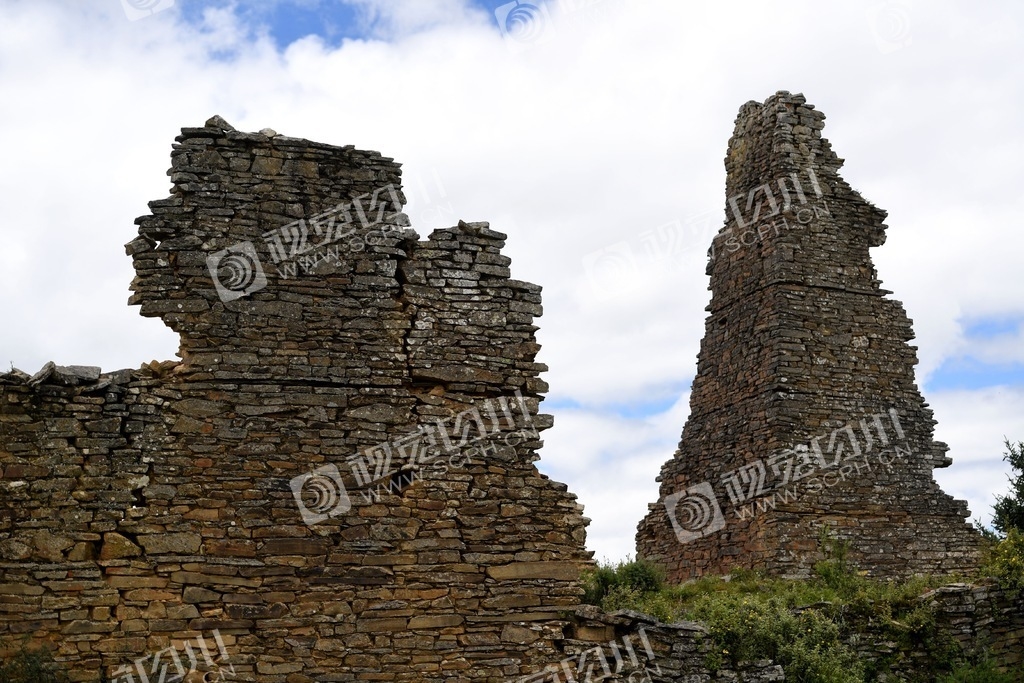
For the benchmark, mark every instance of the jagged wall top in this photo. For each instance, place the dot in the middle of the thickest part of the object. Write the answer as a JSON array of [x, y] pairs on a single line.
[[780, 141], [231, 189], [277, 256], [339, 476], [801, 344]]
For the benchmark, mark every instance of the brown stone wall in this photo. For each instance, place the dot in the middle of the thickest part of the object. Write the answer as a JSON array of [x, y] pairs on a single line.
[[629, 646], [973, 621], [337, 480], [801, 342], [980, 620], [983, 619], [141, 509]]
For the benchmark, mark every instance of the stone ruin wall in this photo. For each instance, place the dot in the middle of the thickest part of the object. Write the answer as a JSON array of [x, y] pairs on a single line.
[[142, 508], [800, 342], [983, 620]]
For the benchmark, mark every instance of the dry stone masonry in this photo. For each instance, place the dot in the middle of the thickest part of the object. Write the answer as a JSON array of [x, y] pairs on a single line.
[[337, 480], [804, 412]]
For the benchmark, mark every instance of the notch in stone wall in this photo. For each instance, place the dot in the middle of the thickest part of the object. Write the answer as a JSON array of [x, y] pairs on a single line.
[[337, 479]]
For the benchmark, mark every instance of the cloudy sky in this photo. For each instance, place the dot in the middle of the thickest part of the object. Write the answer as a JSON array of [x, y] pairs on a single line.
[[588, 131]]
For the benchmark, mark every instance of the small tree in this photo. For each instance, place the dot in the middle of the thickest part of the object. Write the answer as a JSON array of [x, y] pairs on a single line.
[[1008, 512]]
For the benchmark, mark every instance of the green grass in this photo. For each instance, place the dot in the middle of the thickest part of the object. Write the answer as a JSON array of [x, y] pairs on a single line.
[[808, 626], [984, 671]]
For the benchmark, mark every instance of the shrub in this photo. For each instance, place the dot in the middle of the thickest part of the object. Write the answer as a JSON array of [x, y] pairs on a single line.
[[834, 570], [630, 578], [749, 627], [984, 671], [642, 576], [31, 667], [1006, 560], [597, 583]]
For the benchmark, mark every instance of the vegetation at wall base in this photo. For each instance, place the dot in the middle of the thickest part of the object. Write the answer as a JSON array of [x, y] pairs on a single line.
[[1004, 561], [820, 628], [982, 671], [35, 666]]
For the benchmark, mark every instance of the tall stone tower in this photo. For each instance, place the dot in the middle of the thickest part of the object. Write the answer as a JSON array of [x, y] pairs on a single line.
[[804, 412]]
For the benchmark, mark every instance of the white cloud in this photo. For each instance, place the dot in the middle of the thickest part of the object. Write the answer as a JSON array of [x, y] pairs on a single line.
[[974, 424], [614, 125]]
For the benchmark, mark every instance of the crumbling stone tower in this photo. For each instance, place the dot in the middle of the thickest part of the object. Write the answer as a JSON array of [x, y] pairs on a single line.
[[338, 477], [804, 411]]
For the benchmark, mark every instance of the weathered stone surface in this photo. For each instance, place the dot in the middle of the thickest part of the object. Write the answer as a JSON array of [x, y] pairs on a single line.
[[51, 546], [197, 594], [435, 622], [804, 411], [160, 500], [178, 543], [20, 589], [535, 570], [139, 505], [116, 546]]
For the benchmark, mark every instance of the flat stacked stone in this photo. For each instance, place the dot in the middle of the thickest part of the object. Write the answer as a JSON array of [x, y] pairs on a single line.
[[142, 508], [801, 342]]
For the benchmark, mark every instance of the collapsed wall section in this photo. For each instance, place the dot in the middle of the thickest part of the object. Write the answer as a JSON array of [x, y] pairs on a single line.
[[337, 479]]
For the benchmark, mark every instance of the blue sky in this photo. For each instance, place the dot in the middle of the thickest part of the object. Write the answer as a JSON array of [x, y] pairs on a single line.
[[976, 366], [332, 21], [593, 137], [287, 22]]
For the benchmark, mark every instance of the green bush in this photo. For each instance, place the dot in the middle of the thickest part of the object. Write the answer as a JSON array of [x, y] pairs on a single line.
[[597, 583], [834, 570], [630, 578], [658, 604], [807, 644], [1005, 560], [808, 626], [984, 671], [642, 576], [31, 667]]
